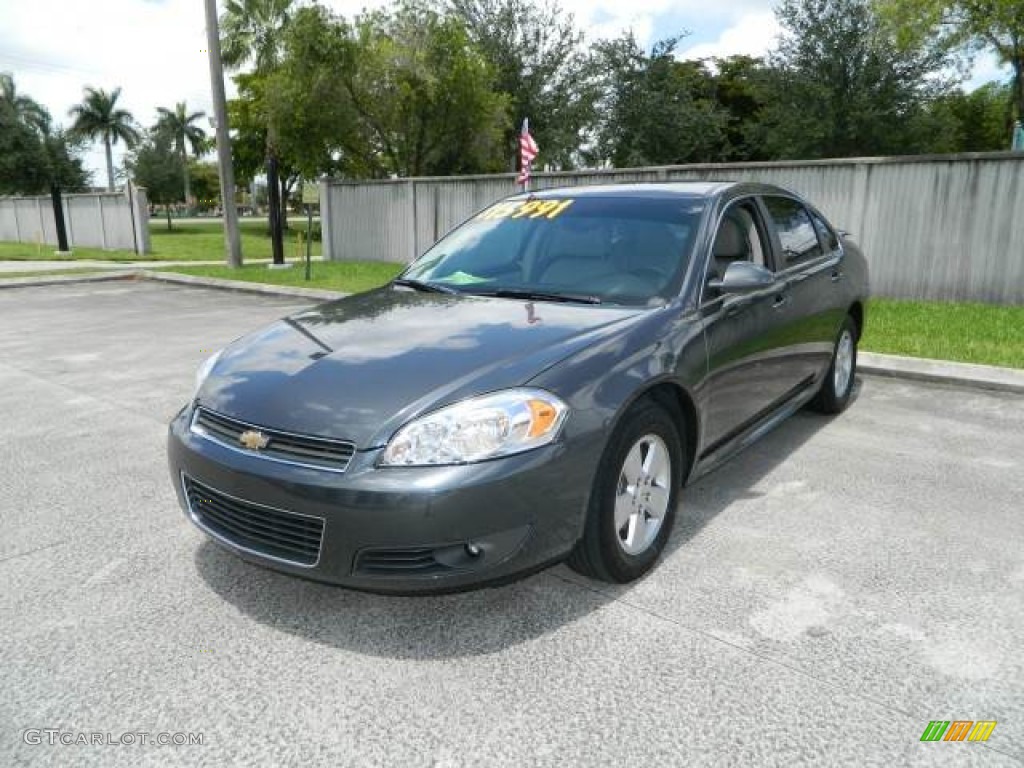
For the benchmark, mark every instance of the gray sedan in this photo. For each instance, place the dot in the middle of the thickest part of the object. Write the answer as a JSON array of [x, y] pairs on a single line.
[[539, 386]]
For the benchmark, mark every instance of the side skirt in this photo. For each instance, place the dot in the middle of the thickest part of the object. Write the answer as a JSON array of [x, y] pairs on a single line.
[[721, 453]]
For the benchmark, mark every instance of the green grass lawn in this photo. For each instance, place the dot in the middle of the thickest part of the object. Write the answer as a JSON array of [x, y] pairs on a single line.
[[205, 242], [185, 242], [966, 333], [34, 252], [346, 276]]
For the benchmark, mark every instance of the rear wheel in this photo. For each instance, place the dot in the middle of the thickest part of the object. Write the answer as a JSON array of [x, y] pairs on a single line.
[[633, 502], [837, 387]]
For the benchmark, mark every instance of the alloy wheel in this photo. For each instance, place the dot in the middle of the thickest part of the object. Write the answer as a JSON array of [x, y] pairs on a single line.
[[642, 494]]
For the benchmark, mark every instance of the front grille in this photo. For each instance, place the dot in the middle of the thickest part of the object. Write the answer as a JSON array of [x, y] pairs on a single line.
[[399, 562], [286, 536], [306, 450]]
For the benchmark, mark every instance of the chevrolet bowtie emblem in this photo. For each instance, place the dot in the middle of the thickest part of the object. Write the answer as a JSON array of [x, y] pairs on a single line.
[[253, 440]]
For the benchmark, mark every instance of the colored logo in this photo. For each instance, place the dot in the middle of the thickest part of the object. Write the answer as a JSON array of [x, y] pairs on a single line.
[[958, 730], [253, 440]]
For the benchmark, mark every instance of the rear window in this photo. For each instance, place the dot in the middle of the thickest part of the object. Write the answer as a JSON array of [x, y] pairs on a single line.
[[620, 250]]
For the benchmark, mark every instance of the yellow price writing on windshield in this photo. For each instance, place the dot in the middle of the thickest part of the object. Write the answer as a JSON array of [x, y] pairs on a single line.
[[531, 209]]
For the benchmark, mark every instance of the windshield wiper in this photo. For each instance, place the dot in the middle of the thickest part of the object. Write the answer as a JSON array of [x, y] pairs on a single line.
[[564, 298], [420, 285]]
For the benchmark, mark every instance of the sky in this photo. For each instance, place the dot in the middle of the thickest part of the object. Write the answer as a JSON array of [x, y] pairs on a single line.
[[155, 49]]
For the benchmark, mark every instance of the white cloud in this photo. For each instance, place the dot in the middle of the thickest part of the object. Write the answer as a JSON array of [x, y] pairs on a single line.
[[986, 69], [153, 50], [753, 34]]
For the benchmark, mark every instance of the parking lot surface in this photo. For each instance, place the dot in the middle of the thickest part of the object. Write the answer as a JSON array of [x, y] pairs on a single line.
[[825, 595]]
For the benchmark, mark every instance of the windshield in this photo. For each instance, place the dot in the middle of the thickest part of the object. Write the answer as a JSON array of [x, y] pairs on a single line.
[[619, 250]]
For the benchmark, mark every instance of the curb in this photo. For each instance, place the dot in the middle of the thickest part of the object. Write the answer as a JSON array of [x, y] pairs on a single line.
[[988, 377], [241, 286], [93, 277]]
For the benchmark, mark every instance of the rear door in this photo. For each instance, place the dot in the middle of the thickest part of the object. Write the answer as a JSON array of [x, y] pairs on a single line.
[[808, 258], [745, 333]]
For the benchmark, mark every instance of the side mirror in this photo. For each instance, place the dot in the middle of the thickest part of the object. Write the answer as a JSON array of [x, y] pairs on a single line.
[[742, 276]]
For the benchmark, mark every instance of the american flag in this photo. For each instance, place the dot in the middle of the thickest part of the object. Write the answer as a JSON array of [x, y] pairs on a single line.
[[528, 150]]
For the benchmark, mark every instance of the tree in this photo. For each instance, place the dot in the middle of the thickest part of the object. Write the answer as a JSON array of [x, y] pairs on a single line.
[[966, 26], [98, 117], [155, 165], [739, 89], [838, 86], [180, 127], [251, 32], [393, 93], [540, 61], [975, 121], [423, 96], [22, 162], [205, 183], [249, 122], [63, 160], [33, 152], [26, 110], [657, 110]]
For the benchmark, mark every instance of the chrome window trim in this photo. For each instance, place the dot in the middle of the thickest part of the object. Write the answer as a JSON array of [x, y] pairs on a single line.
[[240, 547]]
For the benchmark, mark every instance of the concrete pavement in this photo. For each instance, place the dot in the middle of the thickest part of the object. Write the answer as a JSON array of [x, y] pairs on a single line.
[[825, 595]]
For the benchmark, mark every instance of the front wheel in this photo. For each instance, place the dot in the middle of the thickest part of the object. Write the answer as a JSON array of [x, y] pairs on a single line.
[[633, 501], [837, 387]]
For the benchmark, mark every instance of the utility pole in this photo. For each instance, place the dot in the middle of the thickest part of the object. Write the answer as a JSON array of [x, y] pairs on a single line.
[[232, 240]]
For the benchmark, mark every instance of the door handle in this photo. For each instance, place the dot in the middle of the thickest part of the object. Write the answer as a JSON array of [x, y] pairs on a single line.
[[837, 275], [781, 301]]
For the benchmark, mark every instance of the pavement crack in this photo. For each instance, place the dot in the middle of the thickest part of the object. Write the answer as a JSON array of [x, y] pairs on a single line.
[[774, 660]]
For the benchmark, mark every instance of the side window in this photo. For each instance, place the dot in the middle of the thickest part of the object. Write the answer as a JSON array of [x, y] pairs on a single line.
[[826, 234], [797, 233], [739, 238]]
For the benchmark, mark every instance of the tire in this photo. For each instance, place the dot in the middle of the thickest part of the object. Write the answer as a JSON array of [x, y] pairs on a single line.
[[632, 508], [834, 395]]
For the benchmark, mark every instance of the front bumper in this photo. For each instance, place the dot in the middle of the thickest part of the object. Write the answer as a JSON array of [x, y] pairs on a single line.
[[403, 530]]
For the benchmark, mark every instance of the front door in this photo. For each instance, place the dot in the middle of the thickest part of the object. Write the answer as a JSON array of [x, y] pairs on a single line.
[[745, 333]]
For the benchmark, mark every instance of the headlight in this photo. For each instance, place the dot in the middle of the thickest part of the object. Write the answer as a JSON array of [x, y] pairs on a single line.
[[204, 370], [499, 424]]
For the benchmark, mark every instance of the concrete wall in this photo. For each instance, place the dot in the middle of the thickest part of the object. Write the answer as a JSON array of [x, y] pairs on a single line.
[[108, 220], [944, 227]]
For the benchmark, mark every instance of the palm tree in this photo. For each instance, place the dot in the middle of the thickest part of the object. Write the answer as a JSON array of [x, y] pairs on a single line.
[[178, 125], [251, 30], [98, 117], [28, 110]]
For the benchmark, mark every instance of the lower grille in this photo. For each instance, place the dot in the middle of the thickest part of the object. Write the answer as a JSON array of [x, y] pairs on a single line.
[[273, 533], [410, 562]]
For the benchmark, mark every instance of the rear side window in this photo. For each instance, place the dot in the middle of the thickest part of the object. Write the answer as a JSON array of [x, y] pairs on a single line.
[[796, 231], [826, 234]]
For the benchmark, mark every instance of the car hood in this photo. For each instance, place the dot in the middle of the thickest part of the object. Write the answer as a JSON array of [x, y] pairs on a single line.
[[359, 368]]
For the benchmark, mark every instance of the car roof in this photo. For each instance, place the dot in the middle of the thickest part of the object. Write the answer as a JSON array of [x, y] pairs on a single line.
[[657, 190]]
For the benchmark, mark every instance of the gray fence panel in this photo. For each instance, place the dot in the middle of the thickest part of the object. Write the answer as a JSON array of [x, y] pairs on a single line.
[[945, 228], [29, 222], [117, 223], [8, 224], [373, 222], [85, 220], [103, 220]]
